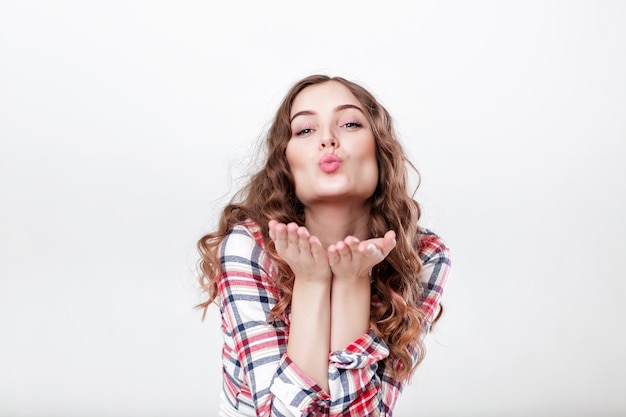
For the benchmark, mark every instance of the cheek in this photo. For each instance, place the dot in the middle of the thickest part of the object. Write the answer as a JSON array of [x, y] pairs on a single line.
[[373, 174], [292, 155], [370, 162], [297, 163], [367, 153]]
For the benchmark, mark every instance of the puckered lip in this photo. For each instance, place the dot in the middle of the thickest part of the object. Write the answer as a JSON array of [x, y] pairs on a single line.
[[330, 159], [330, 163]]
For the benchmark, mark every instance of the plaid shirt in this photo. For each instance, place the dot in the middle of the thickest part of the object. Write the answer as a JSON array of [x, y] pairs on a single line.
[[259, 377]]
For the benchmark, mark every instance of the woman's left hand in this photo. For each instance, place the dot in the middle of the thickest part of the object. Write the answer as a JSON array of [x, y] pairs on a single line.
[[351, 259]]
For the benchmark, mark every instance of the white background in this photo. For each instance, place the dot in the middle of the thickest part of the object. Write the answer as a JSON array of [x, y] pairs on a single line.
[[124, 126]]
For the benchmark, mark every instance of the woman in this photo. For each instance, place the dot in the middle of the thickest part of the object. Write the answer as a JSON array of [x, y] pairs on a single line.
[[325, 282]]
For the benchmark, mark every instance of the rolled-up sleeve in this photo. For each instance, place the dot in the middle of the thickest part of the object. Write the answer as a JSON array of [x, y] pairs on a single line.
[[354, 384], [257, 371]]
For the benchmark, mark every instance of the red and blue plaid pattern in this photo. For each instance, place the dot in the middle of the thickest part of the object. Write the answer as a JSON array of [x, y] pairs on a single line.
[[259, 377]]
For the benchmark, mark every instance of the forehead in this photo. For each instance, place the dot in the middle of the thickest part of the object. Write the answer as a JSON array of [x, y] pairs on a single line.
[[325, 96]]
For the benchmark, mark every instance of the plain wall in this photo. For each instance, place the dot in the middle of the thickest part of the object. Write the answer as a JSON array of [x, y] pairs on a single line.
[[124, 126]]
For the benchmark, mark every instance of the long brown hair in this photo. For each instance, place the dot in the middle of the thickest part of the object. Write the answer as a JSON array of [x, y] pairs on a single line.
[[270, 194]]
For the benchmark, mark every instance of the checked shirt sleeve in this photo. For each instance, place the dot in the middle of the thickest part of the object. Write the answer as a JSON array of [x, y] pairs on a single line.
[[355, 386], [258, 375], [360, 382], [435, 257]]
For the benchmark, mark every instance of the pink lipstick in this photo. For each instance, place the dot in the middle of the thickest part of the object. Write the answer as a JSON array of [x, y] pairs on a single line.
[[330, 163]]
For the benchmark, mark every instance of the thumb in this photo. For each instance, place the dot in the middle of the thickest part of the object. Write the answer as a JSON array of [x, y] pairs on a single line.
[[389, 242]]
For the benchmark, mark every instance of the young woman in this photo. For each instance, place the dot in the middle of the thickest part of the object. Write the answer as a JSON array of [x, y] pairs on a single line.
[[325, 281]]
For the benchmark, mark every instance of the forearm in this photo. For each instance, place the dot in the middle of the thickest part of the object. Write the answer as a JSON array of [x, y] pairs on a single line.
[[350, 309], [309, 335]]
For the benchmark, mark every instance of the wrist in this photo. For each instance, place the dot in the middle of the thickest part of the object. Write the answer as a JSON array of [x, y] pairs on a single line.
[[311, 287], [356, 284], [363, 278]]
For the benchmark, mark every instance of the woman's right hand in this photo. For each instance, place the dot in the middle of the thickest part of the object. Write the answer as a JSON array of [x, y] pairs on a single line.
[[303, 253]]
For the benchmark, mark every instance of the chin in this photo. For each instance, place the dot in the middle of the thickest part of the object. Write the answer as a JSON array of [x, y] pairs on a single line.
[[335, 197]]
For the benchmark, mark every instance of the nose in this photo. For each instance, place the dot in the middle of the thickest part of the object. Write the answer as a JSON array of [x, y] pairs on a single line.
[[329, 139]]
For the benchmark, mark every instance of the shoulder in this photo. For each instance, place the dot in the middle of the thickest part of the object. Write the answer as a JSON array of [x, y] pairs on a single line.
[[431, 245], [247, 228], [243, 244], [245, 261], [246, 235]]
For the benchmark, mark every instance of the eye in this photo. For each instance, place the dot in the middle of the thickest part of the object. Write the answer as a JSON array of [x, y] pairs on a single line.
[[352, 125], [303, 132]]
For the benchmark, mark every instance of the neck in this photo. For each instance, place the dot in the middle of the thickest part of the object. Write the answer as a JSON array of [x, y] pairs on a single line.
[[332, 223]]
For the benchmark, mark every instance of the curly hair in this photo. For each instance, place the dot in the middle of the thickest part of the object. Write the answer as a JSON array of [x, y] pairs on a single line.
[[270, 194]]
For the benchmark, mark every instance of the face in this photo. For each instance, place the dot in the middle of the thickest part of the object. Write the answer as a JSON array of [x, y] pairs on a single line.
[[332, 151]]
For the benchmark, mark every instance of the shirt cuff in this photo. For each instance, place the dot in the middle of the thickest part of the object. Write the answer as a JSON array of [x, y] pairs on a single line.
[[298, 392], [365, 351]]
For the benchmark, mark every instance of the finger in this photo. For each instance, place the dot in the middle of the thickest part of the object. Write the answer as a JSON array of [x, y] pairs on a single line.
[[333, 255], [344, 251], [272, 225], [383, 245], [370, 249], [280, 236], [292, 234], [389, 242], [303, 240], [352, 242], [316, 248]]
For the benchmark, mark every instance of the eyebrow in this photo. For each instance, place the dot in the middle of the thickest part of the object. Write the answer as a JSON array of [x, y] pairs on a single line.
[[338, 108]]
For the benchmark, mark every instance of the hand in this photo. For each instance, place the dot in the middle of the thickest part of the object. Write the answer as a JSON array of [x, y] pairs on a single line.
[[303, 253], [351, 259]]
